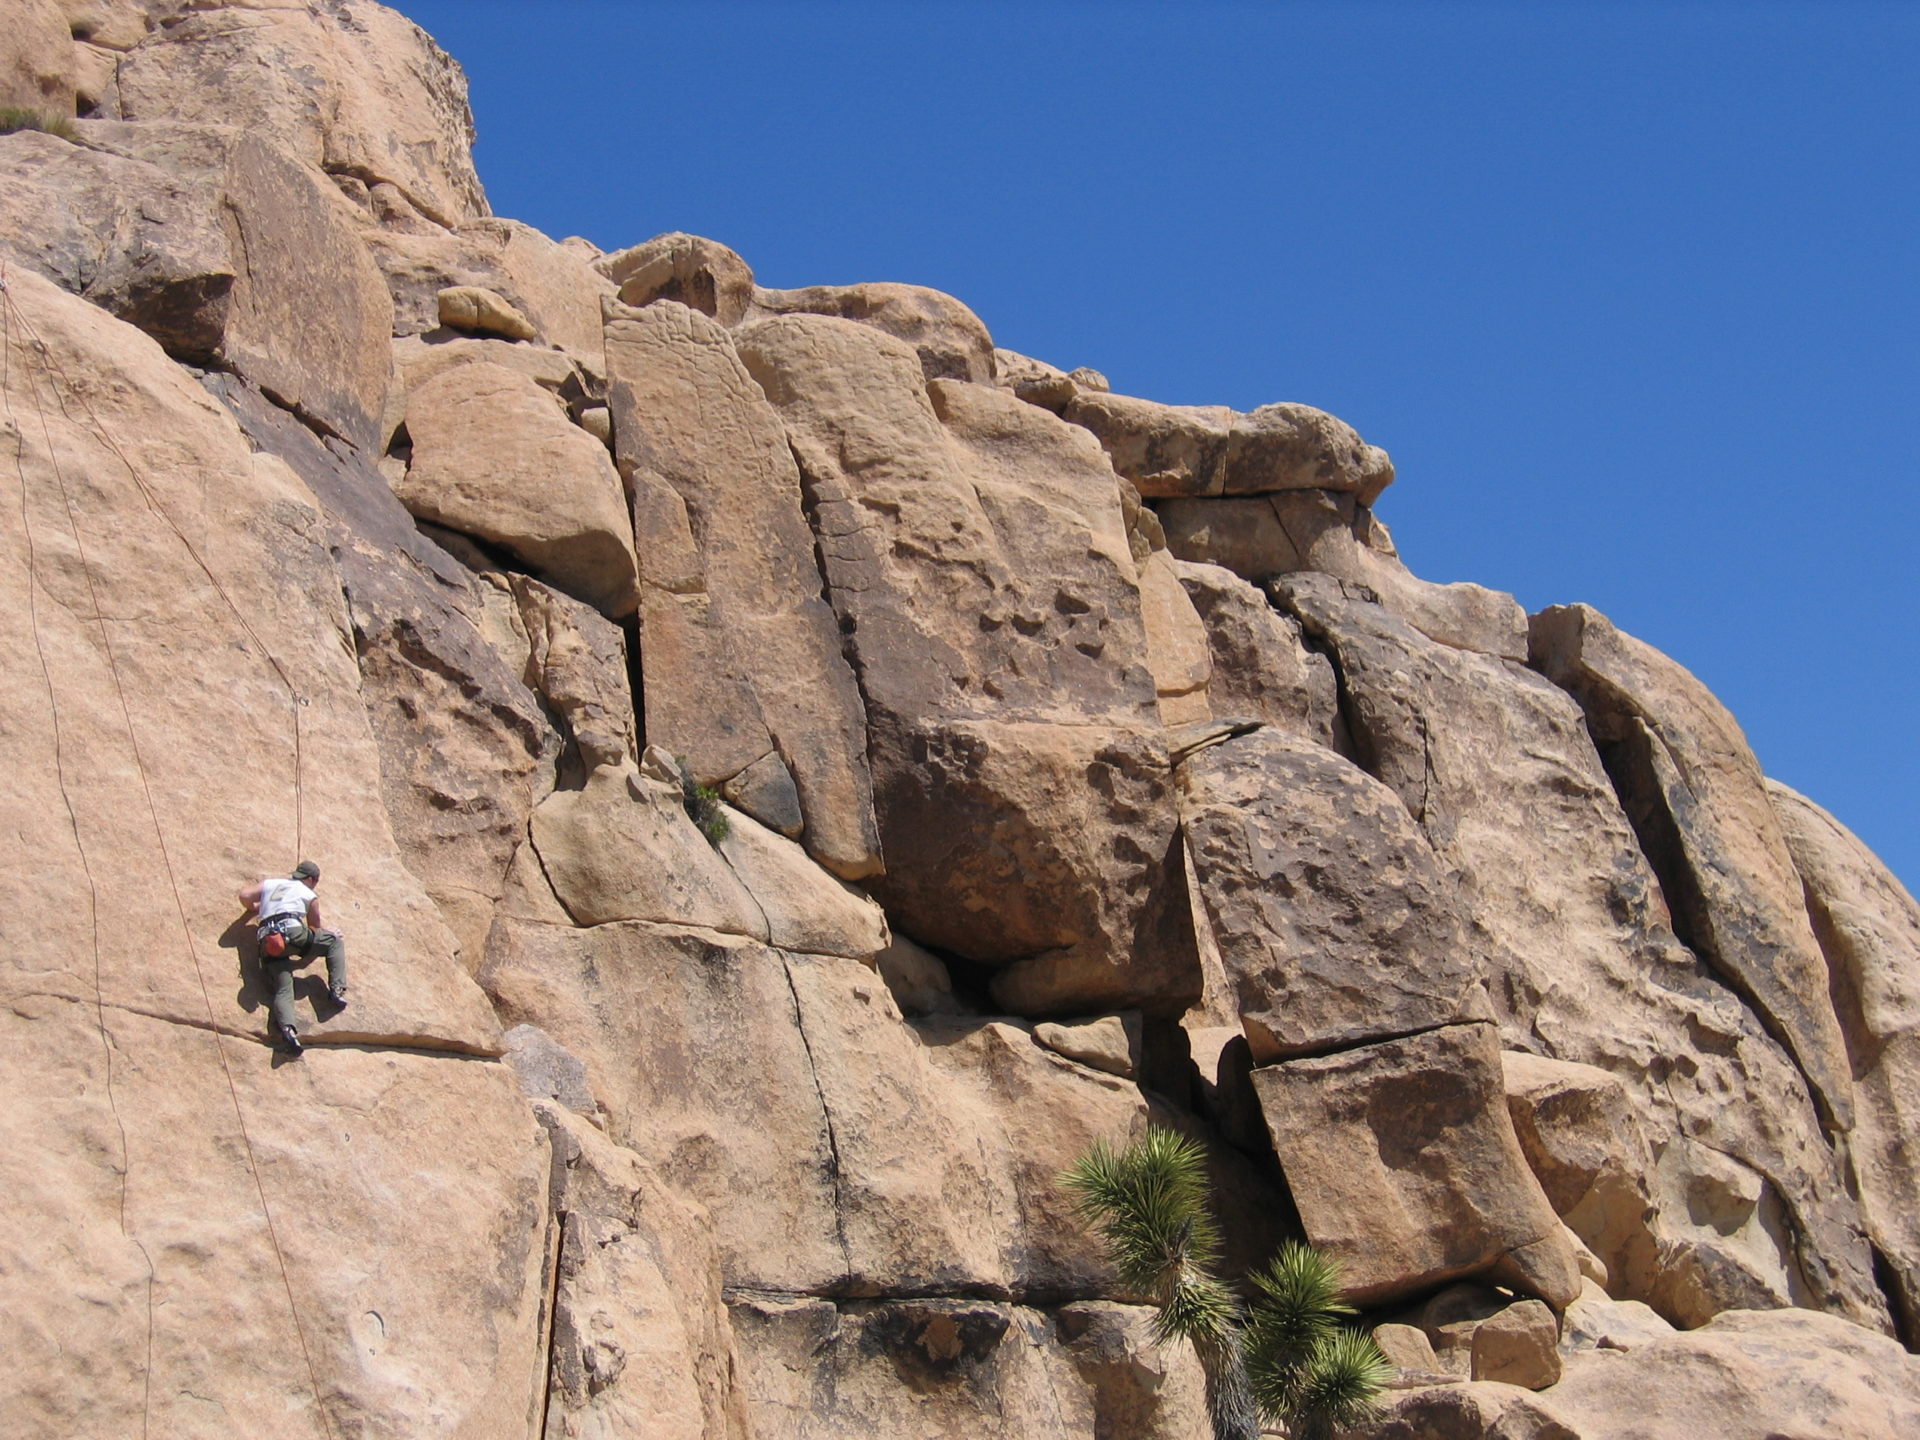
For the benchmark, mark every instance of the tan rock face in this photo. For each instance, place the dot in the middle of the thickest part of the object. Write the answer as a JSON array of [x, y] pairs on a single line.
[[639, 1336], [243, 257], [1171, 450], [37, 71], [1747, 1373], [1260, 538], [1404, 1166], [977, 558], [577, 660], [948, 337], [701, 274], [1869, 930], [495, 457], [1698, 801], [1177, 651], [1261, 669], [1499, 770], [330, 86], [407, 1229], [554, 289], [741, 656], [1335, 926]]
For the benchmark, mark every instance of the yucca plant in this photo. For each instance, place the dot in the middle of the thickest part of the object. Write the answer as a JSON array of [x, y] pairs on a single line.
[[1289, 1356], [1149, 1203], [1305, 1365]]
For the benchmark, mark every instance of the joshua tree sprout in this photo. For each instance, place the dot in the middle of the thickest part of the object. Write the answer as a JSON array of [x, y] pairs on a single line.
[[1289, 1357]]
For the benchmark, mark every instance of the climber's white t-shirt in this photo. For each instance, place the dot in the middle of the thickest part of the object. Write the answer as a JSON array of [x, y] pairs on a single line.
[[284, 897]]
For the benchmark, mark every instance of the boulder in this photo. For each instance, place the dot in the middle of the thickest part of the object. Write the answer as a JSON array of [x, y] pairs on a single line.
[[976, 555], [1699, 803], [1869, 930], [145, 243], [917, 978], [1105, 1044], [331, 86], [37, 72], [1500, 772], [808, 910], [1176, 450], [1034, 381], [495, 457], [1261, 667], [108, 24], [479, 311], [1334, 924], [1261, 537], [701, 274], [948, 337], [622, 848], [1747, 1375], [418, 358], [1596, 1321], [741, 657], [1519, 1346], [1404, 1166], [554, 289]]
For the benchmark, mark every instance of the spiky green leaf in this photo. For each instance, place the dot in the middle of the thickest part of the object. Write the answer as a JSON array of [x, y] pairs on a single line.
[[1340, 1385]]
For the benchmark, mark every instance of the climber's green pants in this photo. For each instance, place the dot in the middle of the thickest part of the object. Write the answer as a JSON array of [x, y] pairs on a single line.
[[302, 945]]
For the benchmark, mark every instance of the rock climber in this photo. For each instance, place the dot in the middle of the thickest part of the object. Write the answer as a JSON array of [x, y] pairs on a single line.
[[290, 935]]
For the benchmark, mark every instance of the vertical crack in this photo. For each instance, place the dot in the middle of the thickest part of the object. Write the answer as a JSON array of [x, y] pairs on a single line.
[[835, 1173]]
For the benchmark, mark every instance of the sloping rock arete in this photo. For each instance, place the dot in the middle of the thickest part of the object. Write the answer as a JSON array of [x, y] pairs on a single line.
[[1087, 762]]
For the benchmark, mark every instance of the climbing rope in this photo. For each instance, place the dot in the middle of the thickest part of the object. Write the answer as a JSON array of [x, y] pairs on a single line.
[[11, 317]]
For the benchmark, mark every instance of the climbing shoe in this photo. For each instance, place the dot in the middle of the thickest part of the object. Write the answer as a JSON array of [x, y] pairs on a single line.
[[338, 994], [289, 1039]]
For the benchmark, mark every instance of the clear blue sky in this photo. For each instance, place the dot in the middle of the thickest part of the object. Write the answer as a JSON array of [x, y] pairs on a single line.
[[1628, 290]]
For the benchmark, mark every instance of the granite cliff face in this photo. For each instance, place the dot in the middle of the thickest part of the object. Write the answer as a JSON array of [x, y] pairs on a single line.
[[1088, 762]]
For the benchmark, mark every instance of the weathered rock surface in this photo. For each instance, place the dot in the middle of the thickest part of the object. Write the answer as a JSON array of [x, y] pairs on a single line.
[[224, 248], [1173, 450], [1699, 804], [495, 457], [336, 86], [1519, 1346], [1746, 1375], [1404, 1166], [1497, 767], [975, 554], [480, 311], [741, 655], [37, 70], [1334, 924], [1869, 930], [1260, 667], [1260, 538]]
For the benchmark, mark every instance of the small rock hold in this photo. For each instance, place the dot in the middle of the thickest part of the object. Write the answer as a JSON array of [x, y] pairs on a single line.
[[482, 312], [1087, 378], [1103, 1044], [597, 421], [1519, 1346]]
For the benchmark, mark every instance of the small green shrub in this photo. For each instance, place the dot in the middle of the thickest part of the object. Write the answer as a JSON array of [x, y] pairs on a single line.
[[15, 117], [703, 805]]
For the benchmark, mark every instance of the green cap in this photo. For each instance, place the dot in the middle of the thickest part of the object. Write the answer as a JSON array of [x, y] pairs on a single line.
[[306, 870]]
